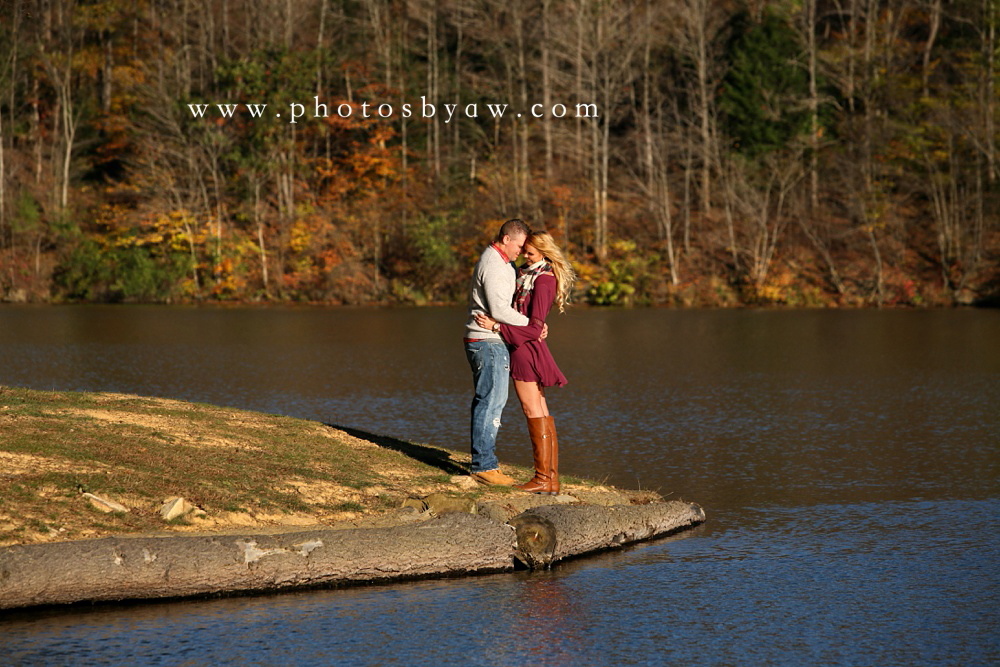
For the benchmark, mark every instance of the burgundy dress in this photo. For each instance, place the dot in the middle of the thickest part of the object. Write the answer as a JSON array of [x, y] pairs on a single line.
[[530, 359]]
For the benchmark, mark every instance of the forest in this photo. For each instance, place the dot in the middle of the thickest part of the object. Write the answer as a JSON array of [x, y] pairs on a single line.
[[798, 153]]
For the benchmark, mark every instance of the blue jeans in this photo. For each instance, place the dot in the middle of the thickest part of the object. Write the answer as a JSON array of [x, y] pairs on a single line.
[[490, 362]]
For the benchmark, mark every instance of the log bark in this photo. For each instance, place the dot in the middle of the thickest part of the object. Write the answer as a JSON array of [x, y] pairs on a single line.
[[115, 568], [136, 568], [552, 533]]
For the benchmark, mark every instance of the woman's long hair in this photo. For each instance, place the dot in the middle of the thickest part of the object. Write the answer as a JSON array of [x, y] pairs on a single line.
[[565, 275]]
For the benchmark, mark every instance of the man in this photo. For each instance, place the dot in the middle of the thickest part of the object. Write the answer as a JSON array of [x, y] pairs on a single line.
[[492, 291]]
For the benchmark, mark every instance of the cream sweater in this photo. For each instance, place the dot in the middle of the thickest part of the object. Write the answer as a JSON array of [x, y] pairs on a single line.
[[492, 292]]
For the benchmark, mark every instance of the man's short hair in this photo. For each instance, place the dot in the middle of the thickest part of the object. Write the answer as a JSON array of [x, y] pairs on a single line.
[[512, 228]]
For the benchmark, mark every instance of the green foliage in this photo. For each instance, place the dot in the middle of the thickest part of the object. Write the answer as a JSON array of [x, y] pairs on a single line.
[[83, 272], [431, 238], [430, 253], [135, 274], [627, 277], [610, 293], [94, 272], [27, 214], [762, 101]]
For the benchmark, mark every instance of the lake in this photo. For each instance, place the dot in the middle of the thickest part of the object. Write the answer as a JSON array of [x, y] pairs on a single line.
[[848, 463]]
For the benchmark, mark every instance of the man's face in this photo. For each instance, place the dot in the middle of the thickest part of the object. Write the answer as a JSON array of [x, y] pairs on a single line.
[[513, 245]]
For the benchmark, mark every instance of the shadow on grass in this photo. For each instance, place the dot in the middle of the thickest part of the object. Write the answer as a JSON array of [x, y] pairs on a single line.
[[431, 456]]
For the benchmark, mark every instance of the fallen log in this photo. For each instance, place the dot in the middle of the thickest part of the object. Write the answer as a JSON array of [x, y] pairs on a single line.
[[136, 568], [552, 533], [117, 568]]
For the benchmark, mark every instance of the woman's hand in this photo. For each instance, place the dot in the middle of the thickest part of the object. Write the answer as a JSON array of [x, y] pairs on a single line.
[[485, 321]]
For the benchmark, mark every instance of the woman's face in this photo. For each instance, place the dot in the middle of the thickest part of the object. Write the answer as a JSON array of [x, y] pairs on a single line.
[[531, 254]]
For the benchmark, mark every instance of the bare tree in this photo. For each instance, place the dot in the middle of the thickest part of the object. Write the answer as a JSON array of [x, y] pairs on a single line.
[[59, 67], [8, 77], [989, 40], [608, 61], [758, 193], [546, 66], [657, 137], [809, 29], [433, 90], [934, 21], [698, 24]]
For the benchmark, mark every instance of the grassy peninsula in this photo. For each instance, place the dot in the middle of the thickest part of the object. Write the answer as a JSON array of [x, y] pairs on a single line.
[[241, 469]]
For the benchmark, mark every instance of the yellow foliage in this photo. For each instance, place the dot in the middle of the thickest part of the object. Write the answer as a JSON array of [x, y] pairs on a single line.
[[300, 236]]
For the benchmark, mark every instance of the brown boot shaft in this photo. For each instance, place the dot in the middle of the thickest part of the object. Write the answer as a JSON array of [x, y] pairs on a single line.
[[554, 459], [541, 445]]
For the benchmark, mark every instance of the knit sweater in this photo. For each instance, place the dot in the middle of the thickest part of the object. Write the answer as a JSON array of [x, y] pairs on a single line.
[[492, 292]]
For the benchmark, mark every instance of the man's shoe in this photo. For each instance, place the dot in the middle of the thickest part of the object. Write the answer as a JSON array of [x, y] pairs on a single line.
[[493, 478]]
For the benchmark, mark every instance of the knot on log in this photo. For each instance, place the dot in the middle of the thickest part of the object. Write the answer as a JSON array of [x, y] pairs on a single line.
[[536, 540]]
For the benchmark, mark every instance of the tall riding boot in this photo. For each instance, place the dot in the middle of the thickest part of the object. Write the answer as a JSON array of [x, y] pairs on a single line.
[[541, 447], [553, 458]]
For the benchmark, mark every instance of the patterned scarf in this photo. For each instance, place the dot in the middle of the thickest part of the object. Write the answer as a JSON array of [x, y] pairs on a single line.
[[526, 281]]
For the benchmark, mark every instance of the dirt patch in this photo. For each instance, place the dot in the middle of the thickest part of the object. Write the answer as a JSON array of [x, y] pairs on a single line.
[[316, 492], [181, 430], [13, 464]]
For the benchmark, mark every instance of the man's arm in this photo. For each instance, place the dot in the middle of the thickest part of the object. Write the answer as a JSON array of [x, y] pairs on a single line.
[[499, 295]]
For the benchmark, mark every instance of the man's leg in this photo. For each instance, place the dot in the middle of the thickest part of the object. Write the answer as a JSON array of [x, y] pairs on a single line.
[[490, 362]]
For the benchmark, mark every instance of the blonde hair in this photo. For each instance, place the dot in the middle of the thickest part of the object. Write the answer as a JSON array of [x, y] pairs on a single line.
[[565, 275]]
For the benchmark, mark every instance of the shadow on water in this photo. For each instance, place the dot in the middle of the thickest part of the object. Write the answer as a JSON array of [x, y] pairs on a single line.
[[990, 297], [431, 456]]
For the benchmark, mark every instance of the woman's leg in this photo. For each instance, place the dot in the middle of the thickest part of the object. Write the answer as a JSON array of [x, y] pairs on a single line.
[[532, 398]]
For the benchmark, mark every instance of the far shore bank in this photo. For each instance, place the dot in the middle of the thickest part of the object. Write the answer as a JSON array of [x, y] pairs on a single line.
[[684, 300]]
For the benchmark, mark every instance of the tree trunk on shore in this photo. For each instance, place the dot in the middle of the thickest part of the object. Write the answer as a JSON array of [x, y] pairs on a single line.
[[124, 568], [552, 533], [156, 567]]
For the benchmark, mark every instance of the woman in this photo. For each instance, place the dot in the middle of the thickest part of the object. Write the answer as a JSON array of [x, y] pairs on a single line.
[[545, 278]]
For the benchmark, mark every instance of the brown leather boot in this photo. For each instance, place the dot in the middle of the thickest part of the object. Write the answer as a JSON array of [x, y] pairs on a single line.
[[554, 458], [541, 447]]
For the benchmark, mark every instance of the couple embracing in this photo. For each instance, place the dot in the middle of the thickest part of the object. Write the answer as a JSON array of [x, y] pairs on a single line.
[[505, 339]]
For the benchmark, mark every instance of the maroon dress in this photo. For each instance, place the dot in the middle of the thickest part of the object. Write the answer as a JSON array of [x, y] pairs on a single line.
[[530, 359]]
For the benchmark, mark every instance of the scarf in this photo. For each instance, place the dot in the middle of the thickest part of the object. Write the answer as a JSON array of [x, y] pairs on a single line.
[[526, 281]]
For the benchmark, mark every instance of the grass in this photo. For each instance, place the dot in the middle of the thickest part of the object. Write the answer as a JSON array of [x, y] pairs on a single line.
[[54, 446], [243, 468]]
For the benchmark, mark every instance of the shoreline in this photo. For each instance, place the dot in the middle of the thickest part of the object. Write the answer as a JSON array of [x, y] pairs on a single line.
[[965, 300], [452, 544], [117, 497]]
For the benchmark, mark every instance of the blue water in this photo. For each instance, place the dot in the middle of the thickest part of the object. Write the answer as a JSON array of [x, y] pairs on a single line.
[[902, 584], [848, 462]]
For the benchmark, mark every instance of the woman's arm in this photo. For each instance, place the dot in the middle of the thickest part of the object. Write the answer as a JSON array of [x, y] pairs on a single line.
[[498, 291], [484, 321], [543, 294]]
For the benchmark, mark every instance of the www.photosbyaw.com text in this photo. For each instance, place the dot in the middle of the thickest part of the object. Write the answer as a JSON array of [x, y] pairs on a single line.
[[448, 111]]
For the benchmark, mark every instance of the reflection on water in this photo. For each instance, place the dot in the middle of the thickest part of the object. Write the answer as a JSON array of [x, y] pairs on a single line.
[[848, 463]]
